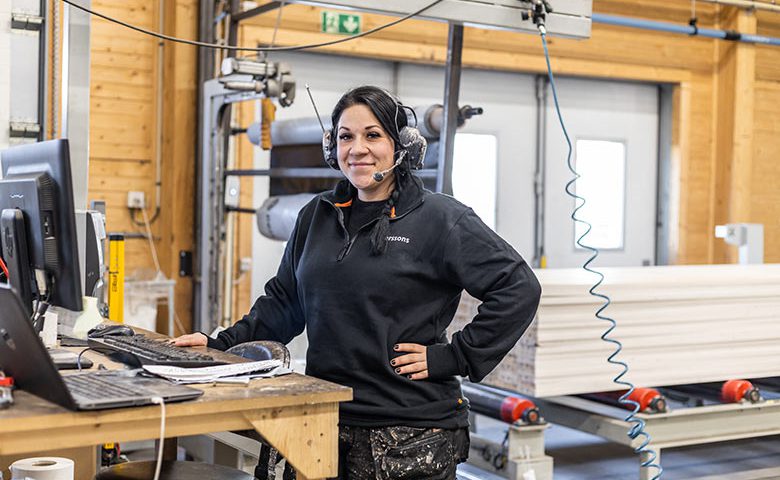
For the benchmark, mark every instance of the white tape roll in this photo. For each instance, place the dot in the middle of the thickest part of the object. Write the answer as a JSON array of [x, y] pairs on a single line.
[[42, 468]]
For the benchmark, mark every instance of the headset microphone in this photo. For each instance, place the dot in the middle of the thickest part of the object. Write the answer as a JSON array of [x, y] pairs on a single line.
[[379, 176]]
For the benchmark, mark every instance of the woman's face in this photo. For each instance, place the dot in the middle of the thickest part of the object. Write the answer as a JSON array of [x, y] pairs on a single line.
[[364, 148]]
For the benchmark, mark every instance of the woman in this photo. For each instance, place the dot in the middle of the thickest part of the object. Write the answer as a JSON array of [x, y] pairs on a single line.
[[374, 270]]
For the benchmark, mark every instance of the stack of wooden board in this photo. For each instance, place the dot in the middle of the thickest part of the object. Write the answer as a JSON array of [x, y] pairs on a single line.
[[678, 325]]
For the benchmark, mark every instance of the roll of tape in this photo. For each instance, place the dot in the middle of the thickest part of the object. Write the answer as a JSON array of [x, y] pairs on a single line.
[[42, 468]]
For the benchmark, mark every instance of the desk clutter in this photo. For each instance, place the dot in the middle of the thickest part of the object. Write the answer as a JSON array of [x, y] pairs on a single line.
[[24, 358]]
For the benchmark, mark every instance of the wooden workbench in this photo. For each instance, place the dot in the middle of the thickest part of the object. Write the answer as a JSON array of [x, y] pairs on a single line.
[[297, 414]]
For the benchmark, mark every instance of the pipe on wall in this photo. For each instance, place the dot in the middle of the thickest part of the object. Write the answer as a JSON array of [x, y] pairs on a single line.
[[683, 29]]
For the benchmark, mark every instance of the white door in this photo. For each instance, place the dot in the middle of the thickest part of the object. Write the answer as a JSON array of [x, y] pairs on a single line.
[[613, 128]]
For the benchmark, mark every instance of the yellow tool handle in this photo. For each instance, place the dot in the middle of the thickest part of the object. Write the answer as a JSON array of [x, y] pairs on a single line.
[[268, 116]]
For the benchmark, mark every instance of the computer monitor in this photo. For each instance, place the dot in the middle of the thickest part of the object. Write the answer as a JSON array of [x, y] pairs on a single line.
[[38, 224]]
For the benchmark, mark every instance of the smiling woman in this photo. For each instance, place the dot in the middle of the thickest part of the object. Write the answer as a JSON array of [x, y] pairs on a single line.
[[374, 271], [364, 148]]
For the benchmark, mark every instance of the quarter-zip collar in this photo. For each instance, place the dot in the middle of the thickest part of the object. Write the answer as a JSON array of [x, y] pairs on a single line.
[[411, 194]]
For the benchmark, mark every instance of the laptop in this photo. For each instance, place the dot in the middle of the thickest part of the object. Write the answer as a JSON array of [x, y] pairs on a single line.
[[23, 356]]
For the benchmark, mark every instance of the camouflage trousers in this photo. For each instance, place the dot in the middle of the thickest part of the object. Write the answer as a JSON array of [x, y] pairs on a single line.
[[401, 453]]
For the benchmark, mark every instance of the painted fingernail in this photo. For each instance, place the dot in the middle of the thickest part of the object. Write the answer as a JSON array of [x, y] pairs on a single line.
[[395, 347], [397, 370], [392, 362], [409, 377]]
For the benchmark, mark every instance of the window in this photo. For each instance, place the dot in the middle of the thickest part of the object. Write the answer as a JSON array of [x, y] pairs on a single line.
[[602, 167], [474, 167]]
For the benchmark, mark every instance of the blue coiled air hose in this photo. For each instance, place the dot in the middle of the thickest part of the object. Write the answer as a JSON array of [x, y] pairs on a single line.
[[638, 428]]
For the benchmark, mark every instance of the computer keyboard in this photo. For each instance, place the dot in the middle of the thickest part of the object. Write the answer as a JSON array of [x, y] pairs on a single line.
[[150, 351], [96, 387]]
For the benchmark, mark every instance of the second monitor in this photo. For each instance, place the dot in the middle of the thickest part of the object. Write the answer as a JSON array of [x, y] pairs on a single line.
[[38, 223]]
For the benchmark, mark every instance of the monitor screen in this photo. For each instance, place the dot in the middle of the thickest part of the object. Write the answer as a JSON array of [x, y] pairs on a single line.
[[36, 204]]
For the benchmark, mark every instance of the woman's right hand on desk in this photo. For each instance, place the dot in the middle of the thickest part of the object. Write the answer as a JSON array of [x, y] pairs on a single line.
[[196, 339]]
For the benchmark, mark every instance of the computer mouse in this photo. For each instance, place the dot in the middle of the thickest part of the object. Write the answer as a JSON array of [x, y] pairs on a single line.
[[110, 329]]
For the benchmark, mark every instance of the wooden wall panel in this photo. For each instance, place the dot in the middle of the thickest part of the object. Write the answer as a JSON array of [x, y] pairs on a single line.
[[425, 41], [724, 143], [179, 180], [670, 11], [744, 88], [765, 181], [122, 118], [246, 224], [768, 58], [692, 170], [124, 131]]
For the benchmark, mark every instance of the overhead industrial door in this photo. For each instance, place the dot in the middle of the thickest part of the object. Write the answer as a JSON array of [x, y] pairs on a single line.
[[614, 132]]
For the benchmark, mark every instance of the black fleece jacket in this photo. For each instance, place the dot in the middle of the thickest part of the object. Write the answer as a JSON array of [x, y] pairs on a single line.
[[356, 306]]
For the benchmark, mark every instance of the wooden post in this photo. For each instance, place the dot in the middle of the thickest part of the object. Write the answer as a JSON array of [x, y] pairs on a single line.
[[179, 146], [733, 171]]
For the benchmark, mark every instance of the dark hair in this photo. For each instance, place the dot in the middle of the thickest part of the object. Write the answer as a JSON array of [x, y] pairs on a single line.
[[386, 108], [392, 117]]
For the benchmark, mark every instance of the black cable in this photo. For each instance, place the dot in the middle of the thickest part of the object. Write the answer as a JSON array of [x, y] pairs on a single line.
[[41, 309], [250, 49], [37, 293], [693, 23], [43, 305]]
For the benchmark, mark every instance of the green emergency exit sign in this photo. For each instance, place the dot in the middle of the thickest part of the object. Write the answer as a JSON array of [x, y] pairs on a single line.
[[341, 23]]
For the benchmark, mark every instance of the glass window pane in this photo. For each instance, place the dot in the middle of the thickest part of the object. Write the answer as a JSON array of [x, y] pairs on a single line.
[[602, 166], [474, 174]]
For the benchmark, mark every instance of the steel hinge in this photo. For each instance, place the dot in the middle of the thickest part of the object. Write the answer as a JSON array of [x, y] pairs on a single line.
[[26, 21], [25, 130]]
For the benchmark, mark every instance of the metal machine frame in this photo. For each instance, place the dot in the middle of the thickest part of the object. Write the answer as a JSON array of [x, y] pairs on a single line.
[[521, 452], [677, 428], [215, 101]]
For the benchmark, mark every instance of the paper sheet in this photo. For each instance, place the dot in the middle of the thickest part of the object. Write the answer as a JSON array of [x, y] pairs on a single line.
[[231, 373]]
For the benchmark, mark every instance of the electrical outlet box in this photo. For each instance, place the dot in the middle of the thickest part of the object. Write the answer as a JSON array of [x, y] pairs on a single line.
[[245, 264], [136, 200]]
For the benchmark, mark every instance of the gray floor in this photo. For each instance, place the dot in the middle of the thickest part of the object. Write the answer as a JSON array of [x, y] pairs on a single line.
[[580, 456]]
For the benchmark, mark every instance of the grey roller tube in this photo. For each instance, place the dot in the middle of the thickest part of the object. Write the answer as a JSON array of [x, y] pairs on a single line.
[[429, 120], [296, 131], [276, 216], [307, 131]]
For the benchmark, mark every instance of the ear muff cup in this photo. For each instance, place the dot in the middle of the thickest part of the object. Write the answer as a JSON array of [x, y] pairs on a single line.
[[415, 145], [329, 151]]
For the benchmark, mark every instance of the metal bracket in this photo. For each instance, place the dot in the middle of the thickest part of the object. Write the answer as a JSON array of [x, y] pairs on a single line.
[[26, 21], [24, 130]]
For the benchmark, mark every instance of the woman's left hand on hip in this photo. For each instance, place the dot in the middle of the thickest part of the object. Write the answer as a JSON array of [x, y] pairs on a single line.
[[413, 365]]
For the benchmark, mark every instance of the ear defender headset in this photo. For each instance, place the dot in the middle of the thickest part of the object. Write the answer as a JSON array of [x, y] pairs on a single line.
[[412, 146]]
